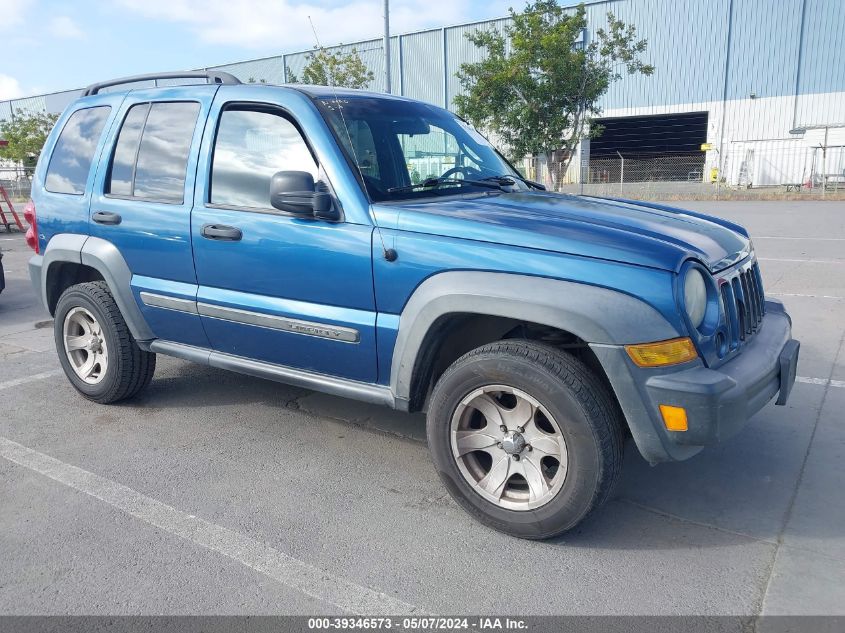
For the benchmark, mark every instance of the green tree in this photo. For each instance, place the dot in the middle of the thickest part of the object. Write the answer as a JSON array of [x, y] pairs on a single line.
[[542, 94], [25, 133], [340, 69]]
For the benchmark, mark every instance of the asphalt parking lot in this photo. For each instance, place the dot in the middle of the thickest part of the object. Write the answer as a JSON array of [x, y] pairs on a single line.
[[215, 493]]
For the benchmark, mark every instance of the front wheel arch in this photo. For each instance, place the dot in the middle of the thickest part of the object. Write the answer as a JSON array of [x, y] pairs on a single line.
[[455, 334], [592, 314]]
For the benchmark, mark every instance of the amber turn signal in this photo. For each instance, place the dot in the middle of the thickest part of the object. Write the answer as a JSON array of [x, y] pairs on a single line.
[[662, 353], [674, 418]]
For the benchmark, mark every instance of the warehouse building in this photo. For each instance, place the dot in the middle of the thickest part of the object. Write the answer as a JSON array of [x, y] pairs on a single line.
[[749, 93]]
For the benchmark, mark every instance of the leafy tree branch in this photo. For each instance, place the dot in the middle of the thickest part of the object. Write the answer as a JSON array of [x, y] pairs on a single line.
[[340, 69], [25, 134], [540, 84]]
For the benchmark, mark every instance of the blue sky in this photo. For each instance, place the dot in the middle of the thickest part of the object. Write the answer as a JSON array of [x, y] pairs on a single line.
[[48, 45]]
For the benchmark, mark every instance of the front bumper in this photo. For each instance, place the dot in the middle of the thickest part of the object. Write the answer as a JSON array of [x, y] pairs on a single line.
[[718, 401]]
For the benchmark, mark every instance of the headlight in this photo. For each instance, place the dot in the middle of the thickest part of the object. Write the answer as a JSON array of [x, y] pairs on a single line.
[[695, 296]]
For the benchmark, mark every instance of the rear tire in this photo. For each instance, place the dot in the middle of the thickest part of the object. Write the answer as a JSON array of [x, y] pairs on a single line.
[[525, 437], [97, 351]]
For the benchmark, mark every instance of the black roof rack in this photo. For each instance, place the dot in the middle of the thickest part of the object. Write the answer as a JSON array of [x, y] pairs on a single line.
[[212, 77]]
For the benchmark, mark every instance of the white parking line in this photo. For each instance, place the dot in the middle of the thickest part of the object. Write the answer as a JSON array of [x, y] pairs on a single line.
[[798, 294], [821, 381], [813, 239], [801, 260], [25, 379], [289, 571]]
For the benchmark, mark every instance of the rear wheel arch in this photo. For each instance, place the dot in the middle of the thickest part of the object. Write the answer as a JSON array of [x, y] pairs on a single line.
[[93, 259], [61, 275]]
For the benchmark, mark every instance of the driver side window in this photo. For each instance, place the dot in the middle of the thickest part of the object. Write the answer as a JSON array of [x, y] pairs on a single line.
[[250, 147], [433, 154]]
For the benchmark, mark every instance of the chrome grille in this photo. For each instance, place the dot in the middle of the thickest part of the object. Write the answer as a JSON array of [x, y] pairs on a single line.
[[744, 301]]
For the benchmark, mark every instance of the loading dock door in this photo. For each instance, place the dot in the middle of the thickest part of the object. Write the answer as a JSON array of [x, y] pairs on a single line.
[[656, 148]]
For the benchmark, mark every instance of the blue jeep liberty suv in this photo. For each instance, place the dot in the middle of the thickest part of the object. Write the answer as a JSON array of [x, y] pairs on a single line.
[[380, 248]]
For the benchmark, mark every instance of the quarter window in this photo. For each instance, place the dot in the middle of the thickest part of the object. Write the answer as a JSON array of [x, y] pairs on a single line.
[[126, 150], [151, 155], [71, 161], [250, 147]]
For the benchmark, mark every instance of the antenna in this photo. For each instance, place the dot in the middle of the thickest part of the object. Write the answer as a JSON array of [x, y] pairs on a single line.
[[389, 253]]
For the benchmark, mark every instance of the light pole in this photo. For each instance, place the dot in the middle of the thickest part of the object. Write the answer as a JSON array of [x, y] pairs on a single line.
[[387, 46], [621, 172]]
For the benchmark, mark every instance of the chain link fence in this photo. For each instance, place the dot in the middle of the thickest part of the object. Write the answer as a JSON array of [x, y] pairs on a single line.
[[17, 181], [748, 170]]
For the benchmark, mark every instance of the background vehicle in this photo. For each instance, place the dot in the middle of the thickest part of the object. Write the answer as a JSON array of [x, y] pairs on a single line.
[[379, 248]]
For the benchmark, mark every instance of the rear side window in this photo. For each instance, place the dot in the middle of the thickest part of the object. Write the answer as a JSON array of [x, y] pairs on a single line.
[[71, 161], [151, 155], [251, 146]]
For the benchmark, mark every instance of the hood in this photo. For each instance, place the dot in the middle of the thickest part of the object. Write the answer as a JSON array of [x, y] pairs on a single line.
[[638, 233]]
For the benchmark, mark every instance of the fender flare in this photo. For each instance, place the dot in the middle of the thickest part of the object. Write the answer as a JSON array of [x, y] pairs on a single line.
[[596, 315], [105, 258]]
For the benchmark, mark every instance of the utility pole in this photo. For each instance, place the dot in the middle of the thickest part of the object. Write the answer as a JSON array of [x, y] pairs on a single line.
[[387, 46]]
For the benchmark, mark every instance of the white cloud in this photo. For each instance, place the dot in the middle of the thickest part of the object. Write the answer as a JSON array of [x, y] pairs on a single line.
[[283, 24], [9, 88], [65, 28], [12, 12]]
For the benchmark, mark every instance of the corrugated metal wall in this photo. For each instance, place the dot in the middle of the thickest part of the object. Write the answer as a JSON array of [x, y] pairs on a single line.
[[822, 64], [705, 52], [687, 42]]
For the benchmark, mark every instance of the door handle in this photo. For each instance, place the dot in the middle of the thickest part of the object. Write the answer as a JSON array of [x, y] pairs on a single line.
[[221, 232], [104, 217]]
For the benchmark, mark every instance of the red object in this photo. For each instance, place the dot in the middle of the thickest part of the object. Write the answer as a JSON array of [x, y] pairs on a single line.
[[3, 143], [32, 231], [4, 197]]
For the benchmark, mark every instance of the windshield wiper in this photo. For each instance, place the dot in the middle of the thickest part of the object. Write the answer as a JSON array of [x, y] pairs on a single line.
[[509, 179], [430, 183]]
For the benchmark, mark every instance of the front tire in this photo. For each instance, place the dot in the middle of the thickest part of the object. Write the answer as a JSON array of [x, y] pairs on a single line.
[[97, 351], [525, 437]]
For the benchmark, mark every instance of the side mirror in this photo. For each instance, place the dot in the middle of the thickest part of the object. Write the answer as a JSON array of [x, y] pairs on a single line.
[[295, 192]]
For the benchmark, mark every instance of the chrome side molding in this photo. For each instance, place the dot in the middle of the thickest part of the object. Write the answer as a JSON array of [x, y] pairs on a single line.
[[286, 324], [168, 303], [247, 317]]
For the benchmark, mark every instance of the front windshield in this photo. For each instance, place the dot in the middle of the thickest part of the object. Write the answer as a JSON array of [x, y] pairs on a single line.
[[397, 144]]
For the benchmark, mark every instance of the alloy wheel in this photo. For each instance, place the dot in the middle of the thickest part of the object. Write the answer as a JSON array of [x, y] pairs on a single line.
[[85, 345], [508, 447]]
